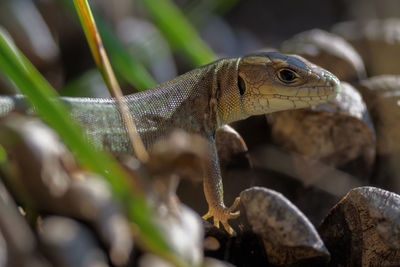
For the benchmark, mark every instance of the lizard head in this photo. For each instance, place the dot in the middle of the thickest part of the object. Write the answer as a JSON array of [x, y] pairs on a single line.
[[272, 81]]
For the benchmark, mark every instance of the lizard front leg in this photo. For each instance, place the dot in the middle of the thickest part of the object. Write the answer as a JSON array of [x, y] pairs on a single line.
[[214, 194]]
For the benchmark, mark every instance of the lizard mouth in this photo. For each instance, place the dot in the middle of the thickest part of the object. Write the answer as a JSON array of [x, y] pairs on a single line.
[[314, 93], [303, 98]]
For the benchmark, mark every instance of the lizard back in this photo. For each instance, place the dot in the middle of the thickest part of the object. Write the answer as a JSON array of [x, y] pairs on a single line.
[[180, 103]]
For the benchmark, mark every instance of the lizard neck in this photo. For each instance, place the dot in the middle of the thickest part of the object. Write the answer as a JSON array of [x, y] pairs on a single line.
[[229, 103]]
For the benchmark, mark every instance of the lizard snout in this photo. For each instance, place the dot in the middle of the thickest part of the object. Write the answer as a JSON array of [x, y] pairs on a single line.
[[332, 82]]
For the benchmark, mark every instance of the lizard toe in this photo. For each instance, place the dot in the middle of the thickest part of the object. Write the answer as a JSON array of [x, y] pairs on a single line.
[[235, 205], [207, 216], [228, 228], [216, 222], [222, 214], [234, 215]]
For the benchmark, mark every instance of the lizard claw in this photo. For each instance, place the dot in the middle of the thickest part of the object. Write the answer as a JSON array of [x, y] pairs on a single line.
[[222, 215]]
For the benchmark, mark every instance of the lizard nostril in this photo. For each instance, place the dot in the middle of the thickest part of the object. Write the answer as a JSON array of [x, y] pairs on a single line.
[[334, 87], [332, 82], [335, 84]]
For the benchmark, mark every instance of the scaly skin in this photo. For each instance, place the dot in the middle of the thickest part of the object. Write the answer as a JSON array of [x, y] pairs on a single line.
[[201, 101]]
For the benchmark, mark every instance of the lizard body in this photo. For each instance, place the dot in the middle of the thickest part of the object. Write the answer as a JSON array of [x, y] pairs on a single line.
[[201, 101]]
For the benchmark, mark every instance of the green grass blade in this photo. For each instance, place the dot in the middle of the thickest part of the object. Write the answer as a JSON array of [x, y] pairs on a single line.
[[43, 97], [179, 32]]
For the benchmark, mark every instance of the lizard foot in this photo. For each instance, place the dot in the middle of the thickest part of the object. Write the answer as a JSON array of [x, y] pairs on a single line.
[[222, 215]]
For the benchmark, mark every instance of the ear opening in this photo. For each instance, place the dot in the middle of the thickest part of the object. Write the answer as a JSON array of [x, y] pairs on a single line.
[[241, 85]]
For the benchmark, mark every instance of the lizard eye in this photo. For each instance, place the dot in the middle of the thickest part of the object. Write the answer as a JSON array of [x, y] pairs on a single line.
[[241, 85], [287, 75]]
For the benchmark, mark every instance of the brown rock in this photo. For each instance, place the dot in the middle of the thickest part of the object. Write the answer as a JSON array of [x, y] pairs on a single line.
[[382, 96], [337, 134], [363, 229], [232, 150], [179, 154], [49, 177], [377, 41], [328, 50], [289, 238], [211, 262], [70, 243], [18, 244]]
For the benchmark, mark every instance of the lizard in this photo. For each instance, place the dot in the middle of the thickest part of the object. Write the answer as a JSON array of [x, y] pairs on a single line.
[[199, 102]]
